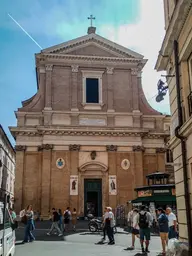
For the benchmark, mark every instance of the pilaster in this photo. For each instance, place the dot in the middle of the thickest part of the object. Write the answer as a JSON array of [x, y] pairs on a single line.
[[110, 96], [20, 167], [74, 90], [48, 89], [46, 178], [161, 158], [135, 91], [138, 165]]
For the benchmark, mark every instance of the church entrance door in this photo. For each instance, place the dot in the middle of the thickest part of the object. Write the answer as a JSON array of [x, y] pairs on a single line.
[[93, 197]]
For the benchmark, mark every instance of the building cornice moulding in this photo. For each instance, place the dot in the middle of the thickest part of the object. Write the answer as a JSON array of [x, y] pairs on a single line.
[[177, 22], [102, 132], [51, 56]]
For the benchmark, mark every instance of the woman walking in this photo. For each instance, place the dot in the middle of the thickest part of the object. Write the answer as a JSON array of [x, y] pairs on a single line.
[[74, 219], [29, 226], [163, 229]]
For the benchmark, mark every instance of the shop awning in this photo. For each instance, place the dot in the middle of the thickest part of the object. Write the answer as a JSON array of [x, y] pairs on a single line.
[[154, 199]]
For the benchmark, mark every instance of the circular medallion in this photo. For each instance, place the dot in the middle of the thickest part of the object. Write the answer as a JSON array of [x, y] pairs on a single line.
[[60, 163], [125, 164]]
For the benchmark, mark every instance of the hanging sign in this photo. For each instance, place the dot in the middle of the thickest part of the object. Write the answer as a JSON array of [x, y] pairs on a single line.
[[112, 185], [74, 185]]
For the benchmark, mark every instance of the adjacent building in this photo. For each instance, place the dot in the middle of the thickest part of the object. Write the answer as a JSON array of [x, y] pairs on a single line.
[[7, 167], [88, 137], [175, 57]]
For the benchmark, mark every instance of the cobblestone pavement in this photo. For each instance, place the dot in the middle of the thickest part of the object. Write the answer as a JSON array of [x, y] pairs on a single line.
[[82, 244]]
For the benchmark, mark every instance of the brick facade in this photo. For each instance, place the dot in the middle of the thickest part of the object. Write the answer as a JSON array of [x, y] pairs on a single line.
[[122, 126]]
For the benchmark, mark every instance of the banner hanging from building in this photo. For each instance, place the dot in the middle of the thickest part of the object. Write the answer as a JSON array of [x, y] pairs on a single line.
[[112, 185], [74, 185]]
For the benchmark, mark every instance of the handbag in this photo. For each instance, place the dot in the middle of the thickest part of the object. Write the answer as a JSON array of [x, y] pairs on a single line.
[[24, 219]]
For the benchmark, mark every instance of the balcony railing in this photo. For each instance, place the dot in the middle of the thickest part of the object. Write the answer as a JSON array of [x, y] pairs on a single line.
[[190, 103]]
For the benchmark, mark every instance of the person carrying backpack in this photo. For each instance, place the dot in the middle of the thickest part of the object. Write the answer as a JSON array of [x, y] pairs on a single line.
[[144, 222], [67, 218]]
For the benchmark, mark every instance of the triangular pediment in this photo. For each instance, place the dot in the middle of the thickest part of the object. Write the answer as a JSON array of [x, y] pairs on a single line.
[[93, 44]]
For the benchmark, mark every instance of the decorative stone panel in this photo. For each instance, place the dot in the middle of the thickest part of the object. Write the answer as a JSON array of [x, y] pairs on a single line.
[[74, 147], [111, 148], [161, 150], [20, 148], [138, 148], [45, 147]]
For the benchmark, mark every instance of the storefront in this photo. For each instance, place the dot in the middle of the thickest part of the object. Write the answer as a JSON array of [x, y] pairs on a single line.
[[157, 193]]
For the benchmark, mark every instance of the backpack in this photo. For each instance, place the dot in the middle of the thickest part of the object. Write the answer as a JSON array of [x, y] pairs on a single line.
[[163, 221], [143, 222], [66, 215]]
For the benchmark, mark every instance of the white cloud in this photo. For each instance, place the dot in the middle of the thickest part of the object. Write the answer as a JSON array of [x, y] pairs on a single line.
[[145, 37]]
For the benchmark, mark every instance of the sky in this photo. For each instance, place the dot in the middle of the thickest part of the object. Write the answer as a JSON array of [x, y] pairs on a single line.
[[135, 24]]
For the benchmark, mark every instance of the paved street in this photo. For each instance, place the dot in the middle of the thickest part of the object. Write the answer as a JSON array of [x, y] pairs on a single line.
[[82, 243]]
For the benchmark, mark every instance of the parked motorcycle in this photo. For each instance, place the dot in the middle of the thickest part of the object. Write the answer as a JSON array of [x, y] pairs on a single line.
[[96, 225]]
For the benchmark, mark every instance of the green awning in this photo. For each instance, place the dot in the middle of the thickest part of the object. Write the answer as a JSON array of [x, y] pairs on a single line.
[[154, 199]]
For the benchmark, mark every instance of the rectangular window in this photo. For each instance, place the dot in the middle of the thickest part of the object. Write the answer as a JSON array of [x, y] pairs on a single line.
[[92, 90], [190, 70], [169, 156]]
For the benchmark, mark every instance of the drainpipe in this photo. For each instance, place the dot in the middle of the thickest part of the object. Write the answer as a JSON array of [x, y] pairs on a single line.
[[183, 148]]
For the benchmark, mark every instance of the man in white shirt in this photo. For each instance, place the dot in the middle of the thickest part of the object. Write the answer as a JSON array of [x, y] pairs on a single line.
[[172, 223], [134, 229], [109, 222]]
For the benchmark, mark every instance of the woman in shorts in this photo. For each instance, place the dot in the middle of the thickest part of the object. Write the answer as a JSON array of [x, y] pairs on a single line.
[[163, 229]]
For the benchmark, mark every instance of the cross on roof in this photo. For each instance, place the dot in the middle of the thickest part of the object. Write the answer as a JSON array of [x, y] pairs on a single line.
[[91, 18]]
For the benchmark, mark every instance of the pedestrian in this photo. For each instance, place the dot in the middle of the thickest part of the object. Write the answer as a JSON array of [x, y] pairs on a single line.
[[29, 224], [134, 229], [55, 220], [67, 218], [172, 223], [105, 216], [144, 221], [60, 220], [74, 219], [109, 222], [163, 229]]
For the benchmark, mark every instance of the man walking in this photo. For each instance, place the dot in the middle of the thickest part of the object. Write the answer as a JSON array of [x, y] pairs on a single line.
[[134, 229], [55, 220], [172, 223], [109, 222], [67, 219], [144, 222]]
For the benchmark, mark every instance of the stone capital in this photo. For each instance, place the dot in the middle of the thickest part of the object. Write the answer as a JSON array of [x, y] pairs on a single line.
[[49, 67], [138, 148], [45, 147], [134, 71], [161, 150], [75, 68], [110, 70], [20, 148], [42, 70], [74, 147], [111, 148]]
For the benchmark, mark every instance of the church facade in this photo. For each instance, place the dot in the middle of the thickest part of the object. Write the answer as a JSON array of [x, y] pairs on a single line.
[[88, 137]]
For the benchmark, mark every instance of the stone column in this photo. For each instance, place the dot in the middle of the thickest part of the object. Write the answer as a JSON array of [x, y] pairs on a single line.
[[135, 91], [48, 90], [110, 96], [42, 82], [46, 178], [74, 88], [74, 164], [20, 169], [112, 151], [160, 159], [138, 165]]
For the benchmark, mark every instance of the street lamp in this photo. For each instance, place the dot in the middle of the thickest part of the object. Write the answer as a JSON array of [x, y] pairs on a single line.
[[162, 91]]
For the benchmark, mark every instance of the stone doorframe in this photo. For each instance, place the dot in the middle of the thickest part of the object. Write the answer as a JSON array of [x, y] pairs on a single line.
[[92, 170]]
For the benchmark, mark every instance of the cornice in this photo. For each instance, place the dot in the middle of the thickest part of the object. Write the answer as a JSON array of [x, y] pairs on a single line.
[[83, 132], [175, 26], [51, 56]]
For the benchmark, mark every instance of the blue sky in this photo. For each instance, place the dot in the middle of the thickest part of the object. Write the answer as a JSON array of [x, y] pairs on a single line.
[[54, 21]]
